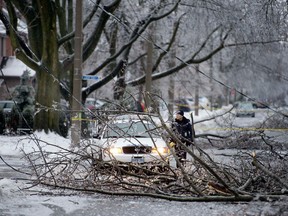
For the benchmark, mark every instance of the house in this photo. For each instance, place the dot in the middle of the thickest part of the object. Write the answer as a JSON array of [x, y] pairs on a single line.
[[11, 68]]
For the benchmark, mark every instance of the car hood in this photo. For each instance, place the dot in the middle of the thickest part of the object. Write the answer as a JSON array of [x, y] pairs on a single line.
[[141, 141]]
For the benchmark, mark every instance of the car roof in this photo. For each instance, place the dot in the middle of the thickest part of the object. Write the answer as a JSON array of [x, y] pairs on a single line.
[[7, 102]]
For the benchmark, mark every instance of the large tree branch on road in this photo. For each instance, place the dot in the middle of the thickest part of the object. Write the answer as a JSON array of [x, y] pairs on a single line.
[[243, 198], [196, 158]]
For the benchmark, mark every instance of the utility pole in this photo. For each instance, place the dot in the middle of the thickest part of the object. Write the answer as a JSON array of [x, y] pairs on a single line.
[[197, 91], [211, 74], [77, 80], [149, 67], [171, 87]]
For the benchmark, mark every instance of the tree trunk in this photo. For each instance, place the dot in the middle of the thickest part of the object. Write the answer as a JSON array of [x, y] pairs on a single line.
[[48, 89], [149, 68], [197, 91], [48, 92], [171, 88]]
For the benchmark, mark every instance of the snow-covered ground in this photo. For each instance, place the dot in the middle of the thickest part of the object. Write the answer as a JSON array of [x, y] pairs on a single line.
[[17, 197]]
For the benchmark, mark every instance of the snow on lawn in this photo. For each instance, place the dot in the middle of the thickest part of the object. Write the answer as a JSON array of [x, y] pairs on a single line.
[[15, 145], [202, 126]]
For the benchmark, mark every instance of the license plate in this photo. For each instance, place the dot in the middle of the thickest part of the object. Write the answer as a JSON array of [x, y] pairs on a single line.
[[137, 160]]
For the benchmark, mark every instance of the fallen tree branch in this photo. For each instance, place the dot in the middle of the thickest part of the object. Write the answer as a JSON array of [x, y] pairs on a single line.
[[13, 168], [211, 135], [214, 117], [267, 172], [239, 198]]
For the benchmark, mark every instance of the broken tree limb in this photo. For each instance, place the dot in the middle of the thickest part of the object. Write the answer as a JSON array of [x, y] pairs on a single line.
[[267, 172]]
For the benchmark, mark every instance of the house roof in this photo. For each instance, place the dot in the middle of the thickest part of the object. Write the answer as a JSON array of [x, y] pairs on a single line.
[[13, 67]]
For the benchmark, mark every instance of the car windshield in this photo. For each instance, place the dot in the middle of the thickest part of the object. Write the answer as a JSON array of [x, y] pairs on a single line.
[[245, 106], [128, 129], [6, 104], [9, 105]]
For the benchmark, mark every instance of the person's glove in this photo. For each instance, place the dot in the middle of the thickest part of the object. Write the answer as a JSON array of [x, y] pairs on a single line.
[[172, 144]]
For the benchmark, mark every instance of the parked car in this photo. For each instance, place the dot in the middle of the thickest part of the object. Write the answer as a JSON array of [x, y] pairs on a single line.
[[92, 103], [191, 103], [182, 104], [7, 106], [131, 140], [258, 104], [244, 109], [204, 103]]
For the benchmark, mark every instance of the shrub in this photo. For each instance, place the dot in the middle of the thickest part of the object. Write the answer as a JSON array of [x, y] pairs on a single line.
[[12, 119], [27, 114]]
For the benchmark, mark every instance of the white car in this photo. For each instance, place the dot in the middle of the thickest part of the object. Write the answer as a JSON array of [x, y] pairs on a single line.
[[204, 103], [244, 109], [132, 141]]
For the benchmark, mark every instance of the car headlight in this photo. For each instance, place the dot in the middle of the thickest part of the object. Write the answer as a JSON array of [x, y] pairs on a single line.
[[160, 150], [115, 150]]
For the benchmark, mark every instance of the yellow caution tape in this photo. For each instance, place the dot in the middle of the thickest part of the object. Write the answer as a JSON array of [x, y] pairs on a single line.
[[246, 129], [81, 119]]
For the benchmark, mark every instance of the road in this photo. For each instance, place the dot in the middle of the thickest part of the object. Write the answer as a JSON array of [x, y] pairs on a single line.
[[8, 172]]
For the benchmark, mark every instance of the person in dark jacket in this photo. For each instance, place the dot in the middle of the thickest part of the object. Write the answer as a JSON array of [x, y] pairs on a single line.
[[183, 130]]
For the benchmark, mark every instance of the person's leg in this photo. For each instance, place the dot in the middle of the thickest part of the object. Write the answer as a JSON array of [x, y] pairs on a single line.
[[184, 155], [181, 154]]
